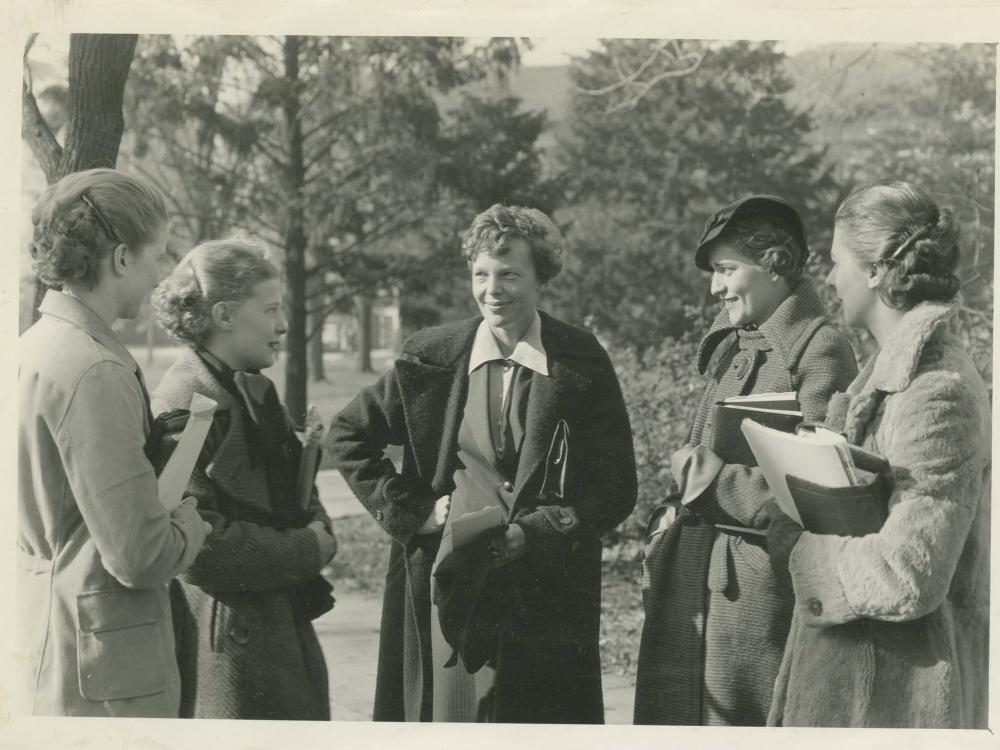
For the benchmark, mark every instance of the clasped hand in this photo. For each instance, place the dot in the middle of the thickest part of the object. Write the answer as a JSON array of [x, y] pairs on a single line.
[[503, 549]]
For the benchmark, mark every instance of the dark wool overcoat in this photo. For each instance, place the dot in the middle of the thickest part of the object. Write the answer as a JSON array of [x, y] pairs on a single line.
[[548, 665], [244, 649], [716, 617]]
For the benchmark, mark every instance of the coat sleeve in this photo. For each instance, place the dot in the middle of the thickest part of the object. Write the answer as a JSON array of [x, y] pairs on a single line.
[[934, 441], [241, 555], [359, 436], [100, 439], [737, 494], [602, 467]]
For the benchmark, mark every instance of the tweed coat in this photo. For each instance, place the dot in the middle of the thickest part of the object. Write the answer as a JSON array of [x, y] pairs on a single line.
[[419, 404], [716, 617], [892, 629], [244, 651], [95, 546]]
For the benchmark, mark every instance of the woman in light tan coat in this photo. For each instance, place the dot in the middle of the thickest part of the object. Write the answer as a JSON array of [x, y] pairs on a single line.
[[95, 546], [892, 629]]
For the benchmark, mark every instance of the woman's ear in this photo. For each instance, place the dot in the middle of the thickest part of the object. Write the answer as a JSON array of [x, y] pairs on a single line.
[[222, 317], [120, 260], [876, 273]]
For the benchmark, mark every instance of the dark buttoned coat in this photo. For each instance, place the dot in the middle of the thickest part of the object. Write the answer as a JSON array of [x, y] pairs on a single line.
[[548, 665], [245, 650]]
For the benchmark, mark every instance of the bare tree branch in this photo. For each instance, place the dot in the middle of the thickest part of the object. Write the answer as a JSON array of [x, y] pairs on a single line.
[[632, 82], [34, 129]]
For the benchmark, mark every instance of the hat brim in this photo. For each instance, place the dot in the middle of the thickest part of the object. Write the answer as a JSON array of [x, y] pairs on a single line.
[[770, 207]]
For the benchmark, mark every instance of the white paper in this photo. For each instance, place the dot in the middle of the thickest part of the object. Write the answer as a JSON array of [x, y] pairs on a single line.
[[174, 478], [816, 458]]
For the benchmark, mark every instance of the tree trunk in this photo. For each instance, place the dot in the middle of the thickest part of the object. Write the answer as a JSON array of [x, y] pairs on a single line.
[[98, 69], [363, 311], [295, 238], [316, 368]]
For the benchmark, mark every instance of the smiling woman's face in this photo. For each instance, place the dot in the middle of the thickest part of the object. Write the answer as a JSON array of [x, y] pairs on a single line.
[[506, 289], [749, 293]]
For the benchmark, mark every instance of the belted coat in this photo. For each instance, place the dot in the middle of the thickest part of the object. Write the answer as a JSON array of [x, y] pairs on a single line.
[[716, 617], [419, 405]]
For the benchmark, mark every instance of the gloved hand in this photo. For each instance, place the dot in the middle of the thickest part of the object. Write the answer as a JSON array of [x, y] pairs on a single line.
[[782, 535], [327, 541]]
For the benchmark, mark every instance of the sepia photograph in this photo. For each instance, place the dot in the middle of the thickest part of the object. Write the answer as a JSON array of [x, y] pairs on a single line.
[[533, 379]]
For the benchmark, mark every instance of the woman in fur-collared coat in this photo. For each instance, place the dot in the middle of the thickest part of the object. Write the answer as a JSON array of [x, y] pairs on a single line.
[[716, 617], [243, 610], [892, 629]]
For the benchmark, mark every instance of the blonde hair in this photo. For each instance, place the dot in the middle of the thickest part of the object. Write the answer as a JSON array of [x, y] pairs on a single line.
[[224, 270]]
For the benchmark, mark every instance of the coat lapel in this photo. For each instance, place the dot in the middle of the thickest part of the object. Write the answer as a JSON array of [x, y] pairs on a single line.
[[230, 468], [551, 398], [438, 376]]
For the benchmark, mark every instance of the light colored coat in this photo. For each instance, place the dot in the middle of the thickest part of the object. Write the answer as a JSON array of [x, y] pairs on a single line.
[[891, 629], [96, 548]]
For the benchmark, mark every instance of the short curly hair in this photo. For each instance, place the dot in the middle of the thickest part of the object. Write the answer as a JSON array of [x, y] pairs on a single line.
[[767, 243], [894, 225], [216, 271], [78, 220], [494, 229]]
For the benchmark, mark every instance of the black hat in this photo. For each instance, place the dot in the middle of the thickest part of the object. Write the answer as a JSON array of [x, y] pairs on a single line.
[[769, 206]]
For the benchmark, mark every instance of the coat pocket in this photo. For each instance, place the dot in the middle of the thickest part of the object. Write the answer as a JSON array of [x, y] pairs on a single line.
[[120, 651]]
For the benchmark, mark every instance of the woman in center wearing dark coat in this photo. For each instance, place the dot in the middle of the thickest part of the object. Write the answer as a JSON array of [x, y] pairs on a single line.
[[716, 616], [539, 636]]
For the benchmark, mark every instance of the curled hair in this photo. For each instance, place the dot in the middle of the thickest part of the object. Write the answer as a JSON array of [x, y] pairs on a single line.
[[768, 244], [215, 271], [82, 217], [897, 227], [494, 229]]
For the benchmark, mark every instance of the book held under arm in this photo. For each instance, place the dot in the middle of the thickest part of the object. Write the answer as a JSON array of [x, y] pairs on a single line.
[[309, 463], [174, 477], [780, 411], [821, 481]]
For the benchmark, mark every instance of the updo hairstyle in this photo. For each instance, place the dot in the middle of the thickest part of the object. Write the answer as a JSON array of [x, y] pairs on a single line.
[[84, 216], [215, 271], [494, 229], [767, 243], [900, 228]]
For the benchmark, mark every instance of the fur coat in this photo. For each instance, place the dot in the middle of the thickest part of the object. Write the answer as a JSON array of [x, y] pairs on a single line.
[[891, 629]]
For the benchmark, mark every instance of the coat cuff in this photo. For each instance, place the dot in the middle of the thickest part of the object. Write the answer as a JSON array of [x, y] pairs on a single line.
[[820, 599], [699, 468]]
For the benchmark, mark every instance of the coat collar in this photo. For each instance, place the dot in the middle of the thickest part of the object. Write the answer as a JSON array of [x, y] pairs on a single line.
[[449, 346], [189, 375], [60, 305], [230, 467], [787, 331], [894, 365]]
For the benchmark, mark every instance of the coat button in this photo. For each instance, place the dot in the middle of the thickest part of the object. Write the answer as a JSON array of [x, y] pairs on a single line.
[[507, 487], [815, 606], [565, 520], [742, 366], [379, 515], [239, 634]]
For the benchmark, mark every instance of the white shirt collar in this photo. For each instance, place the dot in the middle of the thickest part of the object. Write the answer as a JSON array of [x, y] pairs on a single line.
[[528, 352]]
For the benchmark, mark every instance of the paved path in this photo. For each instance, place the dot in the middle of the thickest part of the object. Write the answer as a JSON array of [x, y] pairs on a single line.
[[349, 636]]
